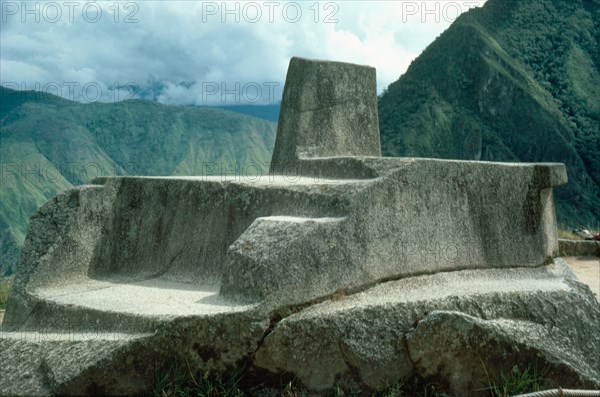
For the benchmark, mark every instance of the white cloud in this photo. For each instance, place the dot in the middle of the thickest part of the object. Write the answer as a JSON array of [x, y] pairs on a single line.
[[177, 50]]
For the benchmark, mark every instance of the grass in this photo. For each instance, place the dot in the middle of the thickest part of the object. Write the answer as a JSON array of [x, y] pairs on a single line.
[[5, 285], [565, 234], [519, 382], [179, 381], [569, 235], [176, 380]]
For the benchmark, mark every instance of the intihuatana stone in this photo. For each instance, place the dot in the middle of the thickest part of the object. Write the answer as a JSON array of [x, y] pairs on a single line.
[[337, 267], [330, 110]]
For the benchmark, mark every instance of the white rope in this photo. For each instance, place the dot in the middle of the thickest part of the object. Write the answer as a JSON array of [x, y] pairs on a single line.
[[562, 393]]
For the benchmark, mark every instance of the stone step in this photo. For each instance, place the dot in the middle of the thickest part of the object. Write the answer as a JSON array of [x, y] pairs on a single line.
[[119, 305]]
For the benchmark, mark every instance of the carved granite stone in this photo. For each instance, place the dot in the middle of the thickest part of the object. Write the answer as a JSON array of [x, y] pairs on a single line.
[[337, 266]]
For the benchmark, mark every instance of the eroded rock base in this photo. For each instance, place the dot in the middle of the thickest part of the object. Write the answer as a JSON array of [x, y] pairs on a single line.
[[462, 329]]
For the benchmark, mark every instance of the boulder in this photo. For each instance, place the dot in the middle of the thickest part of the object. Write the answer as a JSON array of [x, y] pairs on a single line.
[[463, 329]]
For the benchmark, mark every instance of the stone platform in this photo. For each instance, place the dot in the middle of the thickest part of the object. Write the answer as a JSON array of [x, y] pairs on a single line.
[[335, 265]]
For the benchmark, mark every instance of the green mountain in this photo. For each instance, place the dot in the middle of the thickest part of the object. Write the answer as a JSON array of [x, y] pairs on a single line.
[[511, 81], [268, 112], [48, 144]]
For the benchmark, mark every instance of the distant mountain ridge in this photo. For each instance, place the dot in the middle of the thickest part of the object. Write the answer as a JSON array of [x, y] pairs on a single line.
[[48, 144], [268, 112], [511, 81]]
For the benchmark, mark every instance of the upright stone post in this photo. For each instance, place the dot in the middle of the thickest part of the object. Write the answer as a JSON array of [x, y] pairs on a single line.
[[328, 109]]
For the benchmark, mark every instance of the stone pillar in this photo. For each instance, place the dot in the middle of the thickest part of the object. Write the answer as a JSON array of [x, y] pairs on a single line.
[[328, 109]]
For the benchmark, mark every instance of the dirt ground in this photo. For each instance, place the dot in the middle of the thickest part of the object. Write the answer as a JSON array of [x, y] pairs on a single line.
[[587, 269]]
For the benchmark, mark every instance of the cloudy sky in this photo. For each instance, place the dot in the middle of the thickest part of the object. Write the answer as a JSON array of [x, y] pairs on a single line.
[[204, 52]]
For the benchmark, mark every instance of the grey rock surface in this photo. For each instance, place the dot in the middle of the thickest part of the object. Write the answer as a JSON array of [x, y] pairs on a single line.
[[330, 110], [101, 362], [341, 270], [450, 327], [464, 350], [578, 247], [83, 363]]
